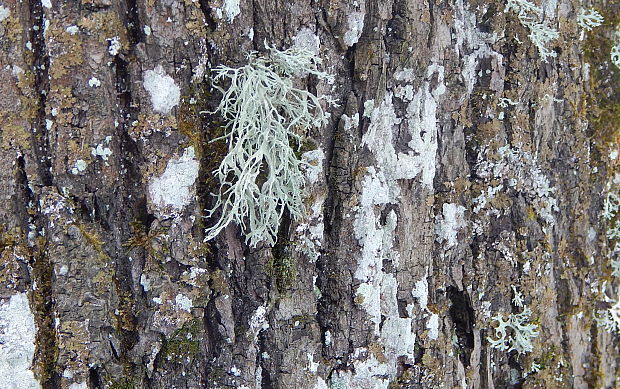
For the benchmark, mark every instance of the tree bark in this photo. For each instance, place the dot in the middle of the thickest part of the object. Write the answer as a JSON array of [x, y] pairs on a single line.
[[457, 171]]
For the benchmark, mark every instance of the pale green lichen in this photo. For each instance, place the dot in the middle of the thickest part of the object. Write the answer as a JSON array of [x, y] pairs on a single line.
[[609, 318], [530, 16], [523, 331], [264, 113], [590, 18]]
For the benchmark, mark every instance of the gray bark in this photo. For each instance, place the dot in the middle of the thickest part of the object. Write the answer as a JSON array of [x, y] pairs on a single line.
[[431, 202]]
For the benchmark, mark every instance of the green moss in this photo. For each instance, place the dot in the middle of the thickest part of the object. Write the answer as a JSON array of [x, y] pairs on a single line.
[[123, 383], [140, 239], [46, 342], [219, 283], [603, 104], [91, 237], [282, 266], [184, 342]]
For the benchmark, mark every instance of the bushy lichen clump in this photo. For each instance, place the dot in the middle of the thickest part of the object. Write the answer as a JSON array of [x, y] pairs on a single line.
[[264, 113], [523, 331], [530, 16], [610, 318]]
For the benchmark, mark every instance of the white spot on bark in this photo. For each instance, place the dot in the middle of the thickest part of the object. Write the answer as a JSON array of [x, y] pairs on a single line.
[[17, 338], [232, 9], [477, 43], [320, 384], [313, 164], [421, 292], [421, 121], [258, 320], [64, 269], [183, 302], [4, 13], [449, 223], [312, 366], [165, 94], [355, 21], [16, 71], [368, 373], [145, 282], [80, 166], [94, 82], [72, 29], [433, 326], [100, 150], [369, 106], [114, 45], [46, 3], [173, 189], [306, 39]]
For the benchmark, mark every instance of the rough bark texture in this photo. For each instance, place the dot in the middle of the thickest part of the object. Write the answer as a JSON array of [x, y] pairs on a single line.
[[431, 202]]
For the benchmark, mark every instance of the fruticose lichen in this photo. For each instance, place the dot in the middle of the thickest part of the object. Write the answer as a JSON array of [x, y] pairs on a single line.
[[523, 331], [530, 16], [609, 318], [264, 112]]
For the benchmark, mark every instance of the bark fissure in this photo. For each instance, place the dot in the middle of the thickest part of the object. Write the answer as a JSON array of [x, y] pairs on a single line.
[[40, 68]]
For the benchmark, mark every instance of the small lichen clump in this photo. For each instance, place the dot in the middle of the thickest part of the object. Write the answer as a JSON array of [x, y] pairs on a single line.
[[615, 51], [530, 16], [264, 113], [610, 318], [588, 19], [523, 331]]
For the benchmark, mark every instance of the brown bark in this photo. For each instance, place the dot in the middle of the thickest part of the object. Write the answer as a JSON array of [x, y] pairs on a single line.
[[393, 277]]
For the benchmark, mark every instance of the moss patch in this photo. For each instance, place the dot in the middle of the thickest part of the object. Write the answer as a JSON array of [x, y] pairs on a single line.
[[184, 343], [604, 101]]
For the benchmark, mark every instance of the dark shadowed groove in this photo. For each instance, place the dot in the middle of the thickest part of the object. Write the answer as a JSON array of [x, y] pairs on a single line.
[[128, 203], [40, 66], [42, 302], [209, 20], [462, 315], [42, 298], [46, 347], [135, 33]]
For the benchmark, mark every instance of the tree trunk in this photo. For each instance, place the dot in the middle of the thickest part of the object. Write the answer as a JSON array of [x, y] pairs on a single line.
[[459, 171]]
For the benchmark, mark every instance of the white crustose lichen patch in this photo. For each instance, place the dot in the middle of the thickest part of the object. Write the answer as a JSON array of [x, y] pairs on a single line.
[[17, 344], [229, 7], [173, 190], [102, 150], [4, 13], [79, 166], [183, 302], [377, 290], [449, 222], [615, 50], [164, 93]]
